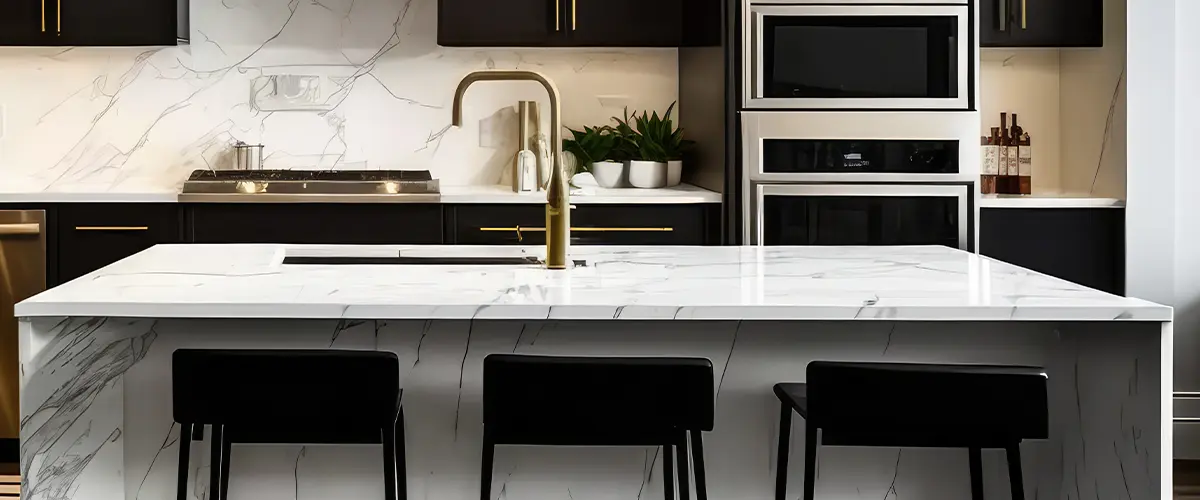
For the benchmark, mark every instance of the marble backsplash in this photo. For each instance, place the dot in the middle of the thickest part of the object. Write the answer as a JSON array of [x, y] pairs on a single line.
[[323, 84]]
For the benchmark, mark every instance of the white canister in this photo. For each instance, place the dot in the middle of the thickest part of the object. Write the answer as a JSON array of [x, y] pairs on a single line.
[[647, 174]]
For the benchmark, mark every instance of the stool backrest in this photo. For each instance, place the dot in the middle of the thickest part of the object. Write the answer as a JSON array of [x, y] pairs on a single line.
[[265, 386], [555, 394], [1003, 402]]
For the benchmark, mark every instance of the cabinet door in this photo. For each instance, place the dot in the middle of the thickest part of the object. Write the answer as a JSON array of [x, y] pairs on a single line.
[[590, 225], [117, 23], [25, 22], [1081, 245], [316, 223], [1040, 23], [624, 23], [508, 23], [91, 236]]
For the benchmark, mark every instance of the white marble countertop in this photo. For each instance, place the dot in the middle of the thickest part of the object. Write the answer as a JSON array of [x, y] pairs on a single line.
[[681, 194], [1048, 200], [709, 283]]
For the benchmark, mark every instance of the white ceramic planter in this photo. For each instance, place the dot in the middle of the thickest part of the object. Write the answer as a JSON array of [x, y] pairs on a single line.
[[674, 172], [647, 174], [610, 174]]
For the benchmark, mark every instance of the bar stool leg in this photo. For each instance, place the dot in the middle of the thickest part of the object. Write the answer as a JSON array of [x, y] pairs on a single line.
[[681, 457], [810, 461], [698, 464], [226, 448], [1015, 481], [976, 462], [214, 465], [668, 472], [401, 462], [389, 461], [185, 454], [485, 476], [785, 442]]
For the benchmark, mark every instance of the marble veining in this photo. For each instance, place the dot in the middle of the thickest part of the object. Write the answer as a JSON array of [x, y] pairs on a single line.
[[329, 84], [97, 414], [619, 283]]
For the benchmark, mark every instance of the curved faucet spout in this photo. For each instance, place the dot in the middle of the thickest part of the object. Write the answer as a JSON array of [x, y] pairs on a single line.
[[558, 194]]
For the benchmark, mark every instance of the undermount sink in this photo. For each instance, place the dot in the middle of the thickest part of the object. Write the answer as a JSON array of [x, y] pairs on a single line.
[[416, 261]]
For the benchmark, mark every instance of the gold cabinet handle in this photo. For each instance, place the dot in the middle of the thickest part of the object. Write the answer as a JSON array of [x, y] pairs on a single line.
[[1023, 11], [557, 15], [112, 228], [573, 17], [58, 20], [17, 229], [521, 237]]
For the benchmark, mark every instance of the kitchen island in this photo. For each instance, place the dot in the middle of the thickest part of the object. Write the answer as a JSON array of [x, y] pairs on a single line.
[[96, 388]]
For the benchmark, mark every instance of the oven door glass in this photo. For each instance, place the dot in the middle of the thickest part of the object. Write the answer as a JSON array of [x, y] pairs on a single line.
[[859, 156], [832, 218]]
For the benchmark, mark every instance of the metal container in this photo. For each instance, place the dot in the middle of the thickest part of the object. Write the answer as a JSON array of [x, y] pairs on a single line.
[[247, 156]]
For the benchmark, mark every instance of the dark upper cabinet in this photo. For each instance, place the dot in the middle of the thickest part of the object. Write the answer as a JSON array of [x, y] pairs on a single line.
[[697, 224], [624, 23], [24, 22], [91, 236], [1041, 23], [1081, 245], [479, 23], [315, 223], [89, 23], [562, 23]]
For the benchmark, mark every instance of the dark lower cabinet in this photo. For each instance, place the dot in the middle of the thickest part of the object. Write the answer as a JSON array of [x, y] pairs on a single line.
[[591, 225], [315, 223], [94, 235], [1081, 245]]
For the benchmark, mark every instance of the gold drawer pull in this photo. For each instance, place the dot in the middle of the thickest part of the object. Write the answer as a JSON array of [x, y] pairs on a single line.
[[24, 228], [112, 228], [584, 229]]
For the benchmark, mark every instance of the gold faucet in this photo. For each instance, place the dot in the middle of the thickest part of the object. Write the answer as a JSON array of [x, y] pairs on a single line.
[[558, 195]]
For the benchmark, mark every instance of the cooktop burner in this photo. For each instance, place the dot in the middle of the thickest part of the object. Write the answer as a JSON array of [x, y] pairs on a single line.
[[311, 175], [342, 186]]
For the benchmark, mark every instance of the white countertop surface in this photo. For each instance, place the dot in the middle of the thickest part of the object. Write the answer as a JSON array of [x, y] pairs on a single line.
[[681, 194], [1048, 200], [686, 283]]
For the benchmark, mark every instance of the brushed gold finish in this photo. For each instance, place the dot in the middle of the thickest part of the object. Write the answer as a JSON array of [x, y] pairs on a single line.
[[43, 16], [557, 15], [574, 24], [112, 228], [558, 195], [1003, 17], [20, 228], [22, 275], [58, 20], [1023, 11]]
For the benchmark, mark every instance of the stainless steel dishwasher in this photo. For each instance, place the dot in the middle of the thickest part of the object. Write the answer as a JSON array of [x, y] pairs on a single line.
[[22, 275]]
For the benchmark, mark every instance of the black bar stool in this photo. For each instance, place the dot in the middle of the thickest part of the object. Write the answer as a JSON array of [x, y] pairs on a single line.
[[292, 397], [914, 405], [599, 401]]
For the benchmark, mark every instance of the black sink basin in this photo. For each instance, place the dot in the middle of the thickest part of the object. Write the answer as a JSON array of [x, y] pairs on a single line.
[[417, 261]]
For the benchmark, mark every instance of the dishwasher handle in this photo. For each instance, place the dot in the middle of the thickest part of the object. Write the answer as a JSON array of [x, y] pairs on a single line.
[[25, 228]]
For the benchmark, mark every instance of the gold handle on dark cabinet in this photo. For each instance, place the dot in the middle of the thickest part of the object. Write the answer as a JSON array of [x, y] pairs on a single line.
[[58, 18], [112, 228], [573, 17], [43, 16], [1023, 11], [557, 15], [1003, 14], [521, 237]]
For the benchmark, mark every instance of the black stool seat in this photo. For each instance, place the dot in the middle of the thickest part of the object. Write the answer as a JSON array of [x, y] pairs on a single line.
[[915, 405], [599, 401], [288, 396]]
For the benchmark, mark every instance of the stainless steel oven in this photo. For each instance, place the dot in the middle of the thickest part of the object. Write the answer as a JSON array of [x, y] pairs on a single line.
[[858, 54], [859, 147], [861, 214]]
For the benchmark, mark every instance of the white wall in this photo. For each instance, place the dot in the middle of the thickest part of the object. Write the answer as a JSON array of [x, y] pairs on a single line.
[[1026, 82], [131, 119]]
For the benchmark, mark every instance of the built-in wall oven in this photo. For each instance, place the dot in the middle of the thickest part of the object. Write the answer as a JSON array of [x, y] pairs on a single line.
[[858, 54], [859, 178]]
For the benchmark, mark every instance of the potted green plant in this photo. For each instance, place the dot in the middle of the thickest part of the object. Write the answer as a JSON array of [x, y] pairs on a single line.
[[675, 147], [644, 141], [593, 148]]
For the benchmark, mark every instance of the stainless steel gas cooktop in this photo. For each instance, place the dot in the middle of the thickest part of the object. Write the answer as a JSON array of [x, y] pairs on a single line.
[[342, 186]]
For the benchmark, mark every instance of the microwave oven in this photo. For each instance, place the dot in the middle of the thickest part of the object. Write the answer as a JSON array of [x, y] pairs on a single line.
[[855, 55]]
